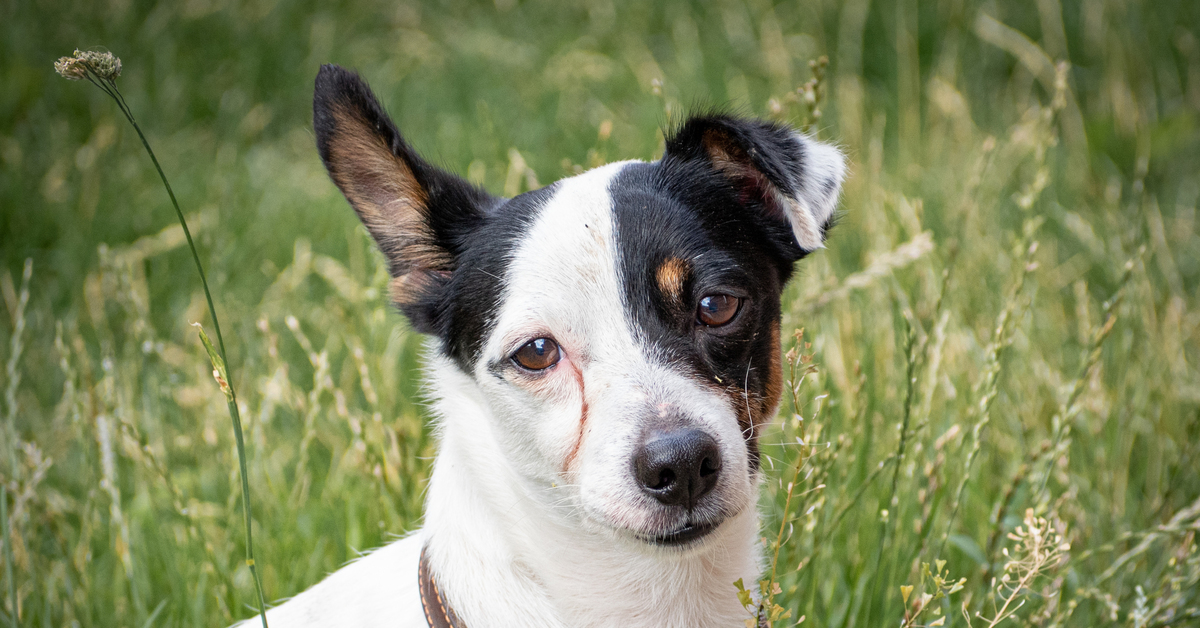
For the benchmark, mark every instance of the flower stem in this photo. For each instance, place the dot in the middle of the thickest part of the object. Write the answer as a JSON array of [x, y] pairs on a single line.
[[8, 557], [109, 87]]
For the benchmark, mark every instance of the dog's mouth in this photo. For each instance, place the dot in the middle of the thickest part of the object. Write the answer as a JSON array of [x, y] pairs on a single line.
[[689, 533]]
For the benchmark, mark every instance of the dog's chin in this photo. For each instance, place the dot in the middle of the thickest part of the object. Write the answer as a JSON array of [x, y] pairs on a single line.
[[686, 536], [640, 524], [671, 537]]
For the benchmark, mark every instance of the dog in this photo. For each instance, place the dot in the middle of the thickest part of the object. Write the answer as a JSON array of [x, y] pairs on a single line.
[[603, 354]]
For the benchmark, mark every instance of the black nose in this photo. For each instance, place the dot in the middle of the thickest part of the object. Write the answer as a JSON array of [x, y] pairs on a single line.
[[678, 467]]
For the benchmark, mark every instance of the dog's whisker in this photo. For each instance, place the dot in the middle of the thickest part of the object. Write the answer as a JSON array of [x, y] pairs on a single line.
[[746, 395]]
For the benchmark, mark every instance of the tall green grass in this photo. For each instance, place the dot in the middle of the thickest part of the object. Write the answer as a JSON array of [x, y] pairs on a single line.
[[1005, 318]]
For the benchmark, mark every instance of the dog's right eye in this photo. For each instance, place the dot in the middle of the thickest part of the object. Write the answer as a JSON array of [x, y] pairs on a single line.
[[537, 355], [716, 310]]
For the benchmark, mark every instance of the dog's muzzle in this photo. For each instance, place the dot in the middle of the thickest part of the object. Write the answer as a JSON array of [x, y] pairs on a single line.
[[678, 467]]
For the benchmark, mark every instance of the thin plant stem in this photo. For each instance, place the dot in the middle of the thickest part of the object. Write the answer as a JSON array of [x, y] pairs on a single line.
[[8, 557], [908, 403], [16, 346], [109, 86], [766, 608], [888, 523], [1061, 422], [783, 521], [1050, 452], [858, 493], [990, 384]]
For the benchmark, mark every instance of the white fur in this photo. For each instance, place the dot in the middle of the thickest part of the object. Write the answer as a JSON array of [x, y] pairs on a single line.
[[533, 517], [379, 585], [810, 210]]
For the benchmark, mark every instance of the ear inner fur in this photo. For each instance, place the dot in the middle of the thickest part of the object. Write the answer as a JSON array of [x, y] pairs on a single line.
[[390, 202], [422, 218]]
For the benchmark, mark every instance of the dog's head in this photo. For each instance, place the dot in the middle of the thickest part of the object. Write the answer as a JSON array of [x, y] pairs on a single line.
[[621, 325]]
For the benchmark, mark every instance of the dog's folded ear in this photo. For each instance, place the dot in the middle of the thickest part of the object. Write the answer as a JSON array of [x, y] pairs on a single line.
[[791, 177], [419, 215]]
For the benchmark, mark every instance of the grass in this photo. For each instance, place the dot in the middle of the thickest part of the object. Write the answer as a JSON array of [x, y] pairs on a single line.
[[1005, 319], [102, 70]]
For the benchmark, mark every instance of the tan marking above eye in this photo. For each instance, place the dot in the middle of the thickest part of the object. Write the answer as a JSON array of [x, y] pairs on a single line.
[[538, 354], [671, 276], [715, 310]]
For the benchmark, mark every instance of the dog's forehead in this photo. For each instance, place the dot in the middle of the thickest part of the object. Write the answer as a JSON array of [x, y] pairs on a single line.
[[563, 274]]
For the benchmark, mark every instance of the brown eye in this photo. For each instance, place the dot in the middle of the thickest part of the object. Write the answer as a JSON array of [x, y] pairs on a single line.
[[537, 355], [717, 309]]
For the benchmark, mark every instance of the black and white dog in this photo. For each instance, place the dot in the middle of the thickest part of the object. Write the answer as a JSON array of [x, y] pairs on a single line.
[[604, 352]]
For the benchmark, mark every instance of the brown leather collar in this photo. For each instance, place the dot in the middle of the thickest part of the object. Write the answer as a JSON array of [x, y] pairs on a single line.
[[437, 610]]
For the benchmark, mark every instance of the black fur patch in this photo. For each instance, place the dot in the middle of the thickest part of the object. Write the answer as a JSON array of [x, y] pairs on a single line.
[[733, 241], [756, 158]]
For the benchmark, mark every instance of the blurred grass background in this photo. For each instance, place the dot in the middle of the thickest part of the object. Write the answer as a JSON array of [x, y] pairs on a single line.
[[119, 456]]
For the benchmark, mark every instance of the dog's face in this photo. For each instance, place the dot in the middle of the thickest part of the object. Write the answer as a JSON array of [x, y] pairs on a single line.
[[622, 325]]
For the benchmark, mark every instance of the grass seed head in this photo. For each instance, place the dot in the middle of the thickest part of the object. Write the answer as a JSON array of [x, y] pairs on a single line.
[[104, 65], [70, 68]]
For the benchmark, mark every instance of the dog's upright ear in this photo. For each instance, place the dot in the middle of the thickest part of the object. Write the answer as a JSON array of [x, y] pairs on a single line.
[[794, 179], [419, 215]]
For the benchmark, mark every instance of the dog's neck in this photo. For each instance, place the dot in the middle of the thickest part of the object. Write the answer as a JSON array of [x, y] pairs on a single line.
[[500, 554]]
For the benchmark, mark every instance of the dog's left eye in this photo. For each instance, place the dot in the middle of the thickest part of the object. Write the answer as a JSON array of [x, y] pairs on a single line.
[[715, 310], [537, 355]]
